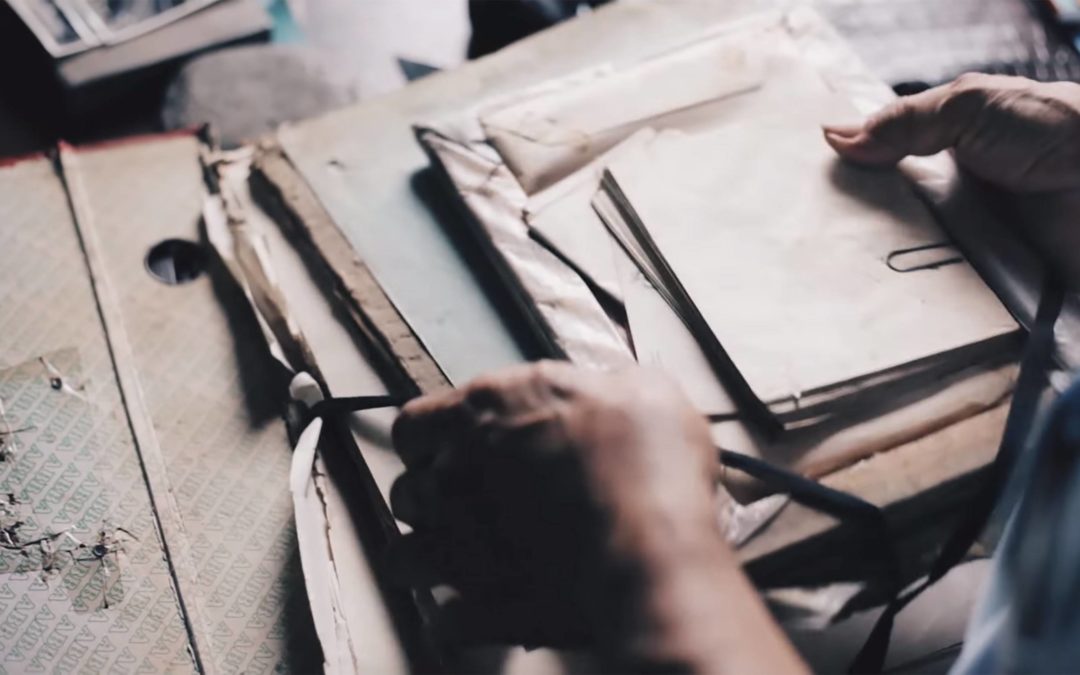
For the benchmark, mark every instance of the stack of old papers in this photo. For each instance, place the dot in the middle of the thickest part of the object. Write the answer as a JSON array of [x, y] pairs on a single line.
[[782, 262], [816, 311], [681, 211]]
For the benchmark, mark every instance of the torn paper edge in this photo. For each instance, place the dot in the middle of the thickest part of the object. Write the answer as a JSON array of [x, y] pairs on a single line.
[[312, 530], [246, 257]]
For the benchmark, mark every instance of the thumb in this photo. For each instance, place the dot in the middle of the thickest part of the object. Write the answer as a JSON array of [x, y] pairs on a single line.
[[923, 124]]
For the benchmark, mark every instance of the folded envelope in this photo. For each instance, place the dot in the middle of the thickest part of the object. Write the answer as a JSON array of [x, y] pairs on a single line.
[[544, 138]]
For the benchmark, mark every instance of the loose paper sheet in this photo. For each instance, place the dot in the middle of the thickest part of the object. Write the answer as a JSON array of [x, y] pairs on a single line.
[[662, 341], [820, 449]]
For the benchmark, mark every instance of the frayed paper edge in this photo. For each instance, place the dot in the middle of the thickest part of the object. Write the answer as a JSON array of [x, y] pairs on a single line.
[[244, 254], [306, 476]]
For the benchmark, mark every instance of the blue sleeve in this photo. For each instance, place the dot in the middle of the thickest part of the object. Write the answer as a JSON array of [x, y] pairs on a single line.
[[1028, 618]]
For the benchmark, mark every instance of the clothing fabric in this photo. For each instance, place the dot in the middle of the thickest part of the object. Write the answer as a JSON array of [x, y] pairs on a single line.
[[1028, 618]]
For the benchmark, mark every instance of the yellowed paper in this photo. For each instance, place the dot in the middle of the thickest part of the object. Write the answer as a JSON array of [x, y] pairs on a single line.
[[544, 138], [784, 251]]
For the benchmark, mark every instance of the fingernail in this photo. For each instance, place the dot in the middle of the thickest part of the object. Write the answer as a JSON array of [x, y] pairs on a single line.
[[843, 131], [837, 142]]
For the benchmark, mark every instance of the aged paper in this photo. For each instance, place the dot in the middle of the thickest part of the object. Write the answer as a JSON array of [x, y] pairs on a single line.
[[544, 138], [355, 629], [801, 297]]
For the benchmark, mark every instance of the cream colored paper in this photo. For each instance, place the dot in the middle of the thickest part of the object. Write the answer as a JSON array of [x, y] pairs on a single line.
[[563, 216], [821, 449], [545, 138], [783, 248], [662, 341]]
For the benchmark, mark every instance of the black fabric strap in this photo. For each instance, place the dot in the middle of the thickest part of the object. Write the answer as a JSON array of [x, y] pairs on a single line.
[[1035, 364], [805, 491], [841, 505], [336, 406]]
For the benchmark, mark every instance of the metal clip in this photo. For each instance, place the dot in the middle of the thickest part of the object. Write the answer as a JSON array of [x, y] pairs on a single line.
[[930, 265]]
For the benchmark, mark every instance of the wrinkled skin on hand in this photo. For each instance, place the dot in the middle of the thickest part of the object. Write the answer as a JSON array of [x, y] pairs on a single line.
[[527, 491], [1017, 134]]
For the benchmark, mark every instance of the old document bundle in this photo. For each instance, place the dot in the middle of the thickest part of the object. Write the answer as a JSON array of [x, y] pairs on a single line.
[[686, 212], [677, 207]]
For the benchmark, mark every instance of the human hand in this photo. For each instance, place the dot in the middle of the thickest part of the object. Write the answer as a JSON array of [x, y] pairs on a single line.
[[1013, 132], [1017, 134], [546, 494]]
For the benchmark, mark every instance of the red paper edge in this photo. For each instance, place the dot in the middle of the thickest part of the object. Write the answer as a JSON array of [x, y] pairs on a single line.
[[7, 162]]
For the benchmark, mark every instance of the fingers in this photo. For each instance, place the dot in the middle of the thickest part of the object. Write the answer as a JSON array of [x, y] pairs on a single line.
[[471, 622], [427, 424], [462, 558], [923, 124], [417, 560], [415, 498], [909, 125], [444, 421]]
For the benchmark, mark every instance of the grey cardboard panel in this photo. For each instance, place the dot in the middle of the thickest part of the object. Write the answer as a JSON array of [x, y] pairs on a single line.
[[214, 399], [76, 466]]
